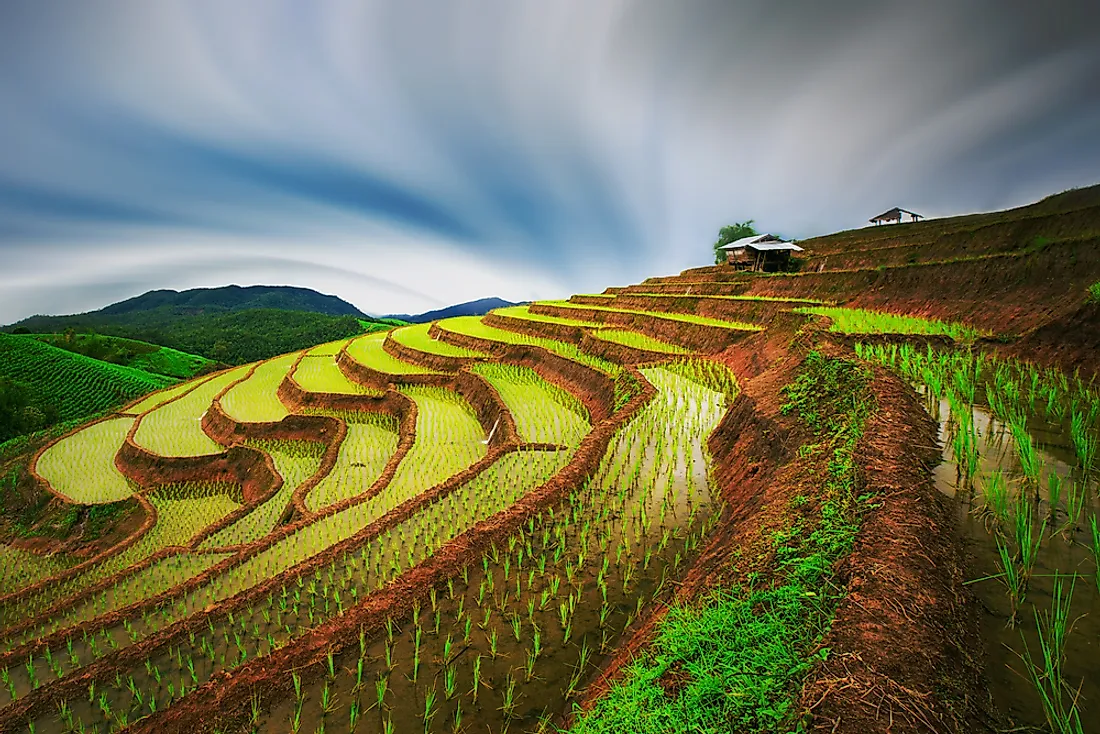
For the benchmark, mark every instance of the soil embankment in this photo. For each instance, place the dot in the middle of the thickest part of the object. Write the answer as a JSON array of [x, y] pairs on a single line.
[[902, 654]]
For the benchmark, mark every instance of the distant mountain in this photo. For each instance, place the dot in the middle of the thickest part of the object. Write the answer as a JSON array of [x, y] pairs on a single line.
[[470, 308], [236, 298], [232, 324]]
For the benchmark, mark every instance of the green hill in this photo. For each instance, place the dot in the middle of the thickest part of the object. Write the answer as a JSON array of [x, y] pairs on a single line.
[[233, 325], [41, 385], [132, 353], [236, 298], [232, 337]]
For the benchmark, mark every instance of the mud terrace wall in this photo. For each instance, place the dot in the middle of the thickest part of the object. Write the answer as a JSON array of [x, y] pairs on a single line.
[[753, 312], [430, 360], [704, 338], [584, 338], [593, 388], [232, 693]]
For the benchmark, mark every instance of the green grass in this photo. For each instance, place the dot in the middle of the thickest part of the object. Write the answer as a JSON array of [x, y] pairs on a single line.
[[685, 318], [473, 326], [82, 466], [638, 341], [544, 413], [739, 654], [140, 355], [380, 325], [367, 350], [1094, 292], [42, 385], [859, 321], [416, 337]]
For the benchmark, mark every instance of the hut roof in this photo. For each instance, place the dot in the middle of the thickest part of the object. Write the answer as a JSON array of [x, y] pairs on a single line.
[[751, 240], [770, 246], [894, 213]]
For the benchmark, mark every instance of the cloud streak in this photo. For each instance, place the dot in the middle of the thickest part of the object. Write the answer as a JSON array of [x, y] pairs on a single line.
[[407, 155]]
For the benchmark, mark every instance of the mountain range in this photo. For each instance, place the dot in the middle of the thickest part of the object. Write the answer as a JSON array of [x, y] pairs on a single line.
[[470, 308]]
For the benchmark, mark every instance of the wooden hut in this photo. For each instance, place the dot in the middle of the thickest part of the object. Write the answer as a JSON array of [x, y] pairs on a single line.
[[894, 216], [760, 252]]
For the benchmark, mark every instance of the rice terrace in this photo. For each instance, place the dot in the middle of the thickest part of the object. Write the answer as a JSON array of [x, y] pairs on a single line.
[[858, 496]]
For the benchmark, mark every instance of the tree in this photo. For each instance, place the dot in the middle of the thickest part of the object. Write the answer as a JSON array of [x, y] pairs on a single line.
[[731, 233]]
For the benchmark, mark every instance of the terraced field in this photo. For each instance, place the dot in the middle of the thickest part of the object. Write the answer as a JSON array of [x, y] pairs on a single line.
[[522, 521]]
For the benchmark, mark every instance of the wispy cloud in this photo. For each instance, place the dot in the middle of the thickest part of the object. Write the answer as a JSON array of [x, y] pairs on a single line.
[[406, 155]]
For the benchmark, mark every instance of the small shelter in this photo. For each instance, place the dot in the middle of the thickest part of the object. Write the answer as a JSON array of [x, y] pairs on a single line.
[[894, 215], [759, 252]]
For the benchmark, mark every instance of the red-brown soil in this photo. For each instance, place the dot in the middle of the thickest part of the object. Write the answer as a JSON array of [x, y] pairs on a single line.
[[746, 311], [902, 654], [487, 404], [703, 338], [231, 694], [902, 645], [1071, 341], [581, 336], [430, 360], [593, 388]]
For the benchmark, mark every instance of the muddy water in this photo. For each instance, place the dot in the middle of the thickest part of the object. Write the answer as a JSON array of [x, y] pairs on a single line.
[[469, 661], [480, 622], [1063, 553]]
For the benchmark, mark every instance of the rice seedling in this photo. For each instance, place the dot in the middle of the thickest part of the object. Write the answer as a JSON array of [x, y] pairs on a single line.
[[319, 372], [1083, 434], [416, 337], [509, 696], [1030, 463], [857, 321], [662, 315], [255, 399], [543, 412], [175, 428], [1076, 498], [473, 326], [637, 340], [429, 708], [1060, 701], [368, 351], [995, 494], [82, 466], [380, 687], [1095, 546]]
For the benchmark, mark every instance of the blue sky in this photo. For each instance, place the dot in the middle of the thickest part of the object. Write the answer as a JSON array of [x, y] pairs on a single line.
[[410, 154]]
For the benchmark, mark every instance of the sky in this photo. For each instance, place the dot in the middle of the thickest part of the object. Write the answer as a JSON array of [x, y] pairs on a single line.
[[410, 154]]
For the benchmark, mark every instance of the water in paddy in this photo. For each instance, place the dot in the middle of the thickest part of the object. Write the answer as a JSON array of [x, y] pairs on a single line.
[[531, 622], [509, 643], [1063, 551]]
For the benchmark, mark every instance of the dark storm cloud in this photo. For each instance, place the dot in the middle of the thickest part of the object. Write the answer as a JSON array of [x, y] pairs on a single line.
[[407, 154]]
